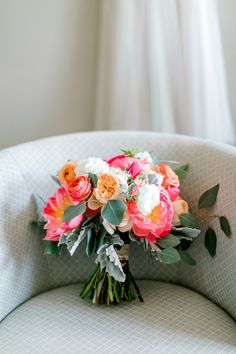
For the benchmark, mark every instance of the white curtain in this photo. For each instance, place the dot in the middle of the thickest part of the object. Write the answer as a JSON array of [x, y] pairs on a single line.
[[161, 68]]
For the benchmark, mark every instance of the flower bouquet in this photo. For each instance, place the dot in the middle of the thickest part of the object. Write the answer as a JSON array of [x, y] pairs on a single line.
[[110, 203]]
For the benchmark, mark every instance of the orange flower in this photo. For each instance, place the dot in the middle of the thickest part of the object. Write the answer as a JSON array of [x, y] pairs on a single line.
[[107, 187], [180, 207], [170, 177], [79, 188], [67, 172]]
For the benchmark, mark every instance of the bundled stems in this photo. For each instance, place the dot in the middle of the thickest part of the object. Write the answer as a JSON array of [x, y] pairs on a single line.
[[102, 288]]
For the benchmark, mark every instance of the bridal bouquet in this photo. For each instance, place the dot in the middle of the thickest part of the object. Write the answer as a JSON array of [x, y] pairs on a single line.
[[110, 203]]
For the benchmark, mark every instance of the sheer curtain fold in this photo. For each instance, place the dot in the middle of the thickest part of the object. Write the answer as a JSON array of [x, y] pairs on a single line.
[[161, 68]]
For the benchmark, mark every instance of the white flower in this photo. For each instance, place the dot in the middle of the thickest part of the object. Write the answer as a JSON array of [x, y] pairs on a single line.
[[148, 198], [120, 176], [93, 165], [143, 156]]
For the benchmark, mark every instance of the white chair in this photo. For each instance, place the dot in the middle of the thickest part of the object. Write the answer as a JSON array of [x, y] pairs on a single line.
[[186, 309]]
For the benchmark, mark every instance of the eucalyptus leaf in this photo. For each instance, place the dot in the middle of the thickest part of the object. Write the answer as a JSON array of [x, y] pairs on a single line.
[[93, 178], [187, 258], [73, 211], [188, 220], [211, 241], [169, 256], [90, 242], [39, 204], [113, 212], [185, 232], [168, 241], [225, 226], [208, 198], [56, 179], [181, 174], [51, 247]]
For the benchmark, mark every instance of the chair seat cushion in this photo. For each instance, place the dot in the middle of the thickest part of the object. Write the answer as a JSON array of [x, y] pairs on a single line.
[[173, 319]]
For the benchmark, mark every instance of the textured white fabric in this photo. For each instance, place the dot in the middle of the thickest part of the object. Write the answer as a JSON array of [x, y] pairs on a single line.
[[172, 319], [161, 67], [26, 169]]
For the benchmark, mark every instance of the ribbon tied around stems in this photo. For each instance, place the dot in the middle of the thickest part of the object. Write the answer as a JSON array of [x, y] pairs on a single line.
[[123, 254]]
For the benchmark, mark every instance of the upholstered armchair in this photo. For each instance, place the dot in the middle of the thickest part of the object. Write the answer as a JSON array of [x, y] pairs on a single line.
[[185, 310]]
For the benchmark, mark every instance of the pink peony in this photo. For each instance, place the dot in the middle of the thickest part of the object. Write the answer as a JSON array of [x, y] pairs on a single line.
[[134, 166], [120, 161], [155, 225], [53, 213], [79, 188]]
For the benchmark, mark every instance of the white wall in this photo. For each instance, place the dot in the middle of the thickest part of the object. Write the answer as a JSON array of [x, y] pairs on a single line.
[[227, 14], [48, 58], [47, 67]]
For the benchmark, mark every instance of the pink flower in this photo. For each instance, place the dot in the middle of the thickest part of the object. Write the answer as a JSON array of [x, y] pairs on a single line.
[[134, 166], [137, 167], [155, 225], [79, 188], [53, 213], [120, 161]]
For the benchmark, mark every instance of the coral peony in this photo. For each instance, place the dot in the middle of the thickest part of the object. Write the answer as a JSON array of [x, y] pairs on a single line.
[[155, 225], [67, 172], [53, 213], [79, 188]]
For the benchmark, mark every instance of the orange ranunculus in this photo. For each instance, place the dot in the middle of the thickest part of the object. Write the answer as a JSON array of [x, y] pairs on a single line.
[[67, 172], [107, 188], [180, 207], [79, 188]]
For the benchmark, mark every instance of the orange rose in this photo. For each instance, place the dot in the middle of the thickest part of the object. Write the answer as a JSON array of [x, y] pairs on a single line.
[[67, 172], [79, 188], [180, 207], [107, 187]]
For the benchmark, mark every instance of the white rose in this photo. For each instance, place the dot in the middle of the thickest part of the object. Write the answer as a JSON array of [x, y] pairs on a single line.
[[148, 198], [93, 165], [143, 156]]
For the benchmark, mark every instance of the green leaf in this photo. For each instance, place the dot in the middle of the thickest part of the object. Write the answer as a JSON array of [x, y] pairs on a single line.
[[186, 258], [208, 198], [181, 172], [74, 210], [185, 232], [93, 178], [114, 211], [225, 226], [56, 179], [168, 241], [90, 242], [50, 247], [211, 241], [132, 152], [39, 204], [100, 239], [188, 220], [169, 256]]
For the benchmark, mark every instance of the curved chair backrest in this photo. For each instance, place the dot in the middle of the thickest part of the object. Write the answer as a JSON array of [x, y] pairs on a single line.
[[26, 169]]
